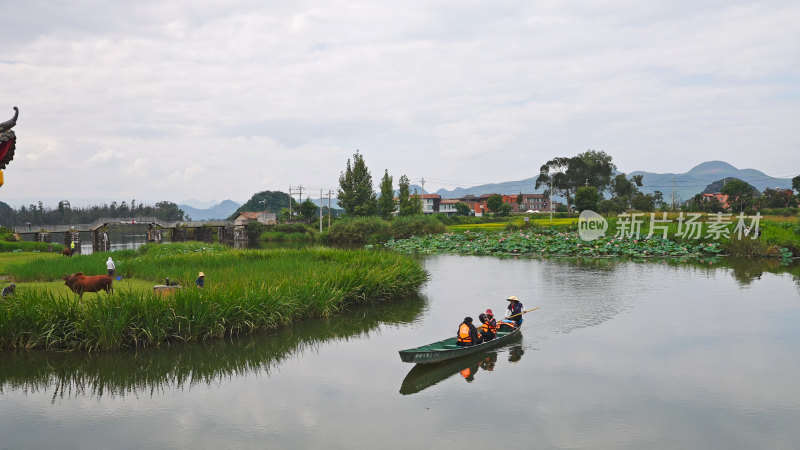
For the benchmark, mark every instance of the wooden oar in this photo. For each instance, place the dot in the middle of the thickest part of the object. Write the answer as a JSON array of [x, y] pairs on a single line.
[[523, 312]]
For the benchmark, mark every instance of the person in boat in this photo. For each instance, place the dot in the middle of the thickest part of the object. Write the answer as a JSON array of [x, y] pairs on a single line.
[[514, 310], [488, 328], [467, 335]]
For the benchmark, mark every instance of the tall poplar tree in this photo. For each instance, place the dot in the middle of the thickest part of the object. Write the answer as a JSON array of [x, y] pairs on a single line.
[[356, 195], [386, 203]]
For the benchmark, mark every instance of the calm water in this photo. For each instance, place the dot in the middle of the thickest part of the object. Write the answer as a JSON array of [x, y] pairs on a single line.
[[619, 355]]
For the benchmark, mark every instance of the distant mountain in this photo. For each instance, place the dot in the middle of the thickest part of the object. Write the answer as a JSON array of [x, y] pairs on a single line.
[[525, 186], [217, 212], [687, 185]]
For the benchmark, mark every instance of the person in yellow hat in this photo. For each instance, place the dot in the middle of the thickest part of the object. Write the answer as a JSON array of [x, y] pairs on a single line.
[[201, 280], [514, 310]]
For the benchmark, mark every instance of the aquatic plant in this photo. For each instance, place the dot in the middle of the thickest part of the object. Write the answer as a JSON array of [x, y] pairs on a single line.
[[547, 242], [246, 290]]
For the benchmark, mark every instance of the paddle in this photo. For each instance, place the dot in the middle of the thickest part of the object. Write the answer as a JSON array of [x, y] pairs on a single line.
[[523, 312]]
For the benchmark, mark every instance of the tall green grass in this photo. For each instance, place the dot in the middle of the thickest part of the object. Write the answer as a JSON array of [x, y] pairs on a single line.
[[246, 290], [26, 246]]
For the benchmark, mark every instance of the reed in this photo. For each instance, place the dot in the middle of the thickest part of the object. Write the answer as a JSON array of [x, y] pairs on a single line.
[[246, 290]]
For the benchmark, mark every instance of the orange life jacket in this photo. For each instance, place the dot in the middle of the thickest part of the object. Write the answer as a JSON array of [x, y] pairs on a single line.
[[463, 334], [489, 325]]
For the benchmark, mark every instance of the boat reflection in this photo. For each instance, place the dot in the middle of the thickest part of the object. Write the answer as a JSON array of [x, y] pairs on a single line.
[[423, 376]]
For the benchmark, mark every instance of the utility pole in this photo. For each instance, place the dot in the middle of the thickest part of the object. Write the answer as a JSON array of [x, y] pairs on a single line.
[[320, 210], [422, 182], [290, 203], [330, 211], [300, 188], [673, 193]]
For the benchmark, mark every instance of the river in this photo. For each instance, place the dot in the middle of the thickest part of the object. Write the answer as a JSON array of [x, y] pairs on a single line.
[[619, 355]]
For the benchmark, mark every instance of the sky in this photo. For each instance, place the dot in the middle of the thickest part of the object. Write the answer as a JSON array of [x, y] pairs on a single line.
[[176, 100]]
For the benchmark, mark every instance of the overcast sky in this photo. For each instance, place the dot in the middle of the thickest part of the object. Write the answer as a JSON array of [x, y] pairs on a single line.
[[164, 100]]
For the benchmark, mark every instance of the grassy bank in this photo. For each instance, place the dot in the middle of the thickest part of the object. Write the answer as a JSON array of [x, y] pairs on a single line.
[[246, 290]]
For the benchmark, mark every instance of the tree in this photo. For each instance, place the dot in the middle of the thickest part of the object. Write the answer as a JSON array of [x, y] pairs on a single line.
[[779, 198], [308, 209], [658, 198], [796, 184], [403, 205], [494, 202], [566, 175], [520, 200], [503, 210], [356, 194], [642, 202], [463, 209], [415, 203], [586, 197], [386, 203], [738, 191]]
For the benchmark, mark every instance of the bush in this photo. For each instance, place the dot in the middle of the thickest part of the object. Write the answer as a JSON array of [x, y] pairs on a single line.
[[359, 230], [407, 226]]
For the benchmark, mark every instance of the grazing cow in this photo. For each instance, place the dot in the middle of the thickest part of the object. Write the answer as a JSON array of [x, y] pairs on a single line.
[[66, 252], [80, 283]]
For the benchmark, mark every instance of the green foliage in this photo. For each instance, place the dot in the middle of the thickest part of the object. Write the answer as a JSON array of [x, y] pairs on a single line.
[[359, 230], [254, 229], [586, 197], [24, 246], [796, 184], [643, 202], [64, 215], [739, 193], [246, 290], [462, 209], [407, 204], [494, 202], [308, 209], [549, 241], [356, 194], [386, 203], [567, 174], [407, 226]]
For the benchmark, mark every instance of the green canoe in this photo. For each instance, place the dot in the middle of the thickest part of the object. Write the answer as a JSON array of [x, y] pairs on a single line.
[[447, 349]]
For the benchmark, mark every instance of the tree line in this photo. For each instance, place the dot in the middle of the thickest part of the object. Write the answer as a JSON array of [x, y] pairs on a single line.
[[64, 214]]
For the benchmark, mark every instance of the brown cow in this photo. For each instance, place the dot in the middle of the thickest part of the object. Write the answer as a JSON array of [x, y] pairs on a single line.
[[66, 252], [80, 283]]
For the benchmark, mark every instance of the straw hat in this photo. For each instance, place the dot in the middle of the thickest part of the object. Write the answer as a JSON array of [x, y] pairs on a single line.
[[513, 298], [201, 274]]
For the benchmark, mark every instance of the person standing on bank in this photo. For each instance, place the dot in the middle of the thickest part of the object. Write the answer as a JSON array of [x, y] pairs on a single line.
[[514, 309], [111, 267], [201, 280], [72, 248], [467, 334]]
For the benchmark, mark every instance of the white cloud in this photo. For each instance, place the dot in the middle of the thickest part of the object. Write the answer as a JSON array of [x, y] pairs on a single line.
[[264, 96]]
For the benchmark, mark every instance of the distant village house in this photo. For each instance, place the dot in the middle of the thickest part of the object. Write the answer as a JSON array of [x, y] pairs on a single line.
[[264, 217]]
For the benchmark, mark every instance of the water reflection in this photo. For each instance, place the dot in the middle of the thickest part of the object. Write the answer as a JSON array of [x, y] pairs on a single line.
[[183, 366], [423, 376]]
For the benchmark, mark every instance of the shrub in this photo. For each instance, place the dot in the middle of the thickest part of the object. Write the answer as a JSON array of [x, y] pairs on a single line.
[[407, 226], [359, 230]]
